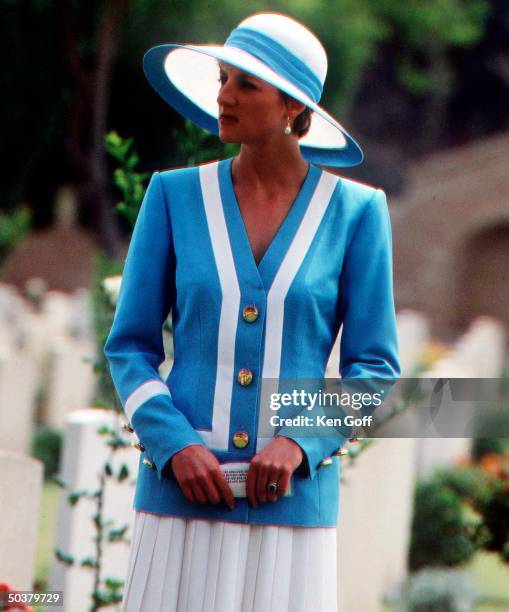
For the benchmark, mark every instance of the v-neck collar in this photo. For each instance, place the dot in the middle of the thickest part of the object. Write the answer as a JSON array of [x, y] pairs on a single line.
[[248, 270]]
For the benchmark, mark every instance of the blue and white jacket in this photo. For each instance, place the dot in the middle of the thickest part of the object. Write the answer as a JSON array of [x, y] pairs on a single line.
[[329, 264]]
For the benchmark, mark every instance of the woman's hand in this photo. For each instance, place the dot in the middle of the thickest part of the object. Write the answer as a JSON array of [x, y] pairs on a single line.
[[274, 463], [197, 471]]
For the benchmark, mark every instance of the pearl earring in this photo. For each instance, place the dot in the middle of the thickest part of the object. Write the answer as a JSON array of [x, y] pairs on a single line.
[[288, 128]]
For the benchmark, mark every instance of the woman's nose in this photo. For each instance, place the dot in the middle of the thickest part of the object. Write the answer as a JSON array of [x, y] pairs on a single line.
[[226, 95]]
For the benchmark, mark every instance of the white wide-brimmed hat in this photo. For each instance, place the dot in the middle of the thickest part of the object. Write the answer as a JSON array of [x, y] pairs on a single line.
[[272, 47]]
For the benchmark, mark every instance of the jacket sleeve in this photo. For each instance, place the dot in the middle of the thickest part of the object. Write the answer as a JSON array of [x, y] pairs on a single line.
[[369, 341], [134, 347]]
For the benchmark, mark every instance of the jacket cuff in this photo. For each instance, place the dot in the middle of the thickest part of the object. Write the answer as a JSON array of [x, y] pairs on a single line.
[[163, 431], [315, 451]]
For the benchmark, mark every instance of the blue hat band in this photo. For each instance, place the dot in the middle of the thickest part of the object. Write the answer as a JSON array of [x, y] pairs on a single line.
[[277, 57]]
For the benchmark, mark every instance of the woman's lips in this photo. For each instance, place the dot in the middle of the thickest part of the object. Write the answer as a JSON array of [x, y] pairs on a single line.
[[227, 119]]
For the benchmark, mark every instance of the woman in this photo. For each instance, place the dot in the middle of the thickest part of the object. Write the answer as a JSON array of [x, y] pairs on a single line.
[[261, 259]]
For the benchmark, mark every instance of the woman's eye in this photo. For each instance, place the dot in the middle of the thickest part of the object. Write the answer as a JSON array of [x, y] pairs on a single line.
[[247, 84]]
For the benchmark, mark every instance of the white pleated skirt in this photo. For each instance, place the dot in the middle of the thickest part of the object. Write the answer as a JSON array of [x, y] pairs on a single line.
[[181, 565]]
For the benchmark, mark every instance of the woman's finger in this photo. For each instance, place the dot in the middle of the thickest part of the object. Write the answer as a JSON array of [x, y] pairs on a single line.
[[262, 479], [187, 490], [198, 492], [212, 492], [224, 489], [284, 481], [251, 484], [273, 476]]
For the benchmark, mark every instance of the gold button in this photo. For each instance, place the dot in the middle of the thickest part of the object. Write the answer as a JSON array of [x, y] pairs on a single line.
[[326, 462], [149, 463], [250, 313], [240, 439], [245, 377]]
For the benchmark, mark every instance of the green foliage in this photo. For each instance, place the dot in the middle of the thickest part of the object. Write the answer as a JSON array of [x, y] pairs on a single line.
[[130, 182], [115, 535], [106, 598], [123, 473], [116, 442], [103, 311], [63, 557], [46, 446], [104, 430], [416, 80], [425, 32], [13, 228], [423, 24], [59, 481], [441, 531], [74, 497], [459, 511], [470, 484], [485, 446], [495, 514], [113, 583], [197, 146]]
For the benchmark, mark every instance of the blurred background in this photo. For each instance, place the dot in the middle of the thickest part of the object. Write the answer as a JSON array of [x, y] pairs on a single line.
[[423, 85]]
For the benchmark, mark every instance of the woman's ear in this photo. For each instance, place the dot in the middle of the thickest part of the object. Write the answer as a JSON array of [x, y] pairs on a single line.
[[294, 107]]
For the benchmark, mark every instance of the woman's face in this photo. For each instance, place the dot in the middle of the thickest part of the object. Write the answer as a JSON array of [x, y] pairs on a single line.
[[250, 110]]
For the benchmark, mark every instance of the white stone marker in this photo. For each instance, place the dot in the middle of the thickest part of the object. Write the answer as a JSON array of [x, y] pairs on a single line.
[[82, 321], [483, 347], [374, 522], [57, 312], [70, 381], [413, 333], [20, 485], [18, 380]]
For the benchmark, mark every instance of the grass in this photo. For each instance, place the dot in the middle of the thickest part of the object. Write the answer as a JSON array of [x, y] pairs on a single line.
[[46, 536], [491, 575]]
